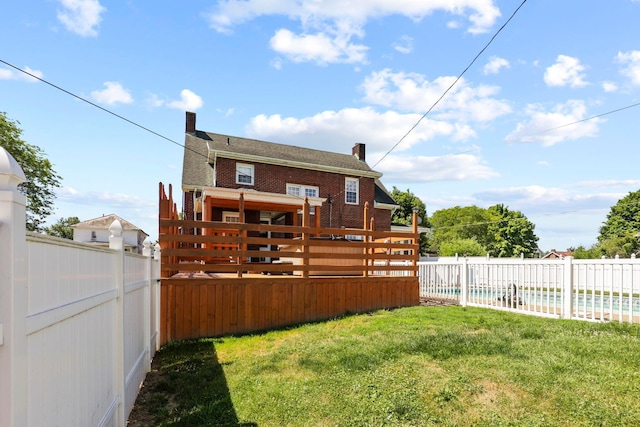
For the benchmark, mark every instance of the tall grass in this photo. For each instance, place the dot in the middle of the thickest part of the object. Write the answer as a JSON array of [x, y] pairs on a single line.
[[418, 366]]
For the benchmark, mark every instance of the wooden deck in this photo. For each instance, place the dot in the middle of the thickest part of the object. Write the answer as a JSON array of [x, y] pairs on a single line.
[[215, 282], [199, 305]]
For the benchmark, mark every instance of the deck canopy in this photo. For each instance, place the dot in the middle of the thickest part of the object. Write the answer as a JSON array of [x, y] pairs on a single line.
[[270, 205]]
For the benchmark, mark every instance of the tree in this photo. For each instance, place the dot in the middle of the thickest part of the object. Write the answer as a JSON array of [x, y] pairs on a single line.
[[42, 180], [581, 252], [623, 246], [63, 228], [511, 233], [462, 247], [407, 201], [500, 231], [470, 222], [623, 219]]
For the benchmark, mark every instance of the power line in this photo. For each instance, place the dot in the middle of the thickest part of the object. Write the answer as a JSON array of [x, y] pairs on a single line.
[[590, 118], [106, 110], [486, 46]]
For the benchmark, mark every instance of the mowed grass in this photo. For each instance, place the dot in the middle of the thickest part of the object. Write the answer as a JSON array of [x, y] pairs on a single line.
[[419, 366]]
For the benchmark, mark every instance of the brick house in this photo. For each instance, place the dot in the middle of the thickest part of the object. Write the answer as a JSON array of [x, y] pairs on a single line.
[[553, 254], [274, 180]]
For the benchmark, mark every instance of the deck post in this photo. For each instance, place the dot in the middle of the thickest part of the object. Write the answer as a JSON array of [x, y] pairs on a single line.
[[416, 240], [242, 234], [305, 237]]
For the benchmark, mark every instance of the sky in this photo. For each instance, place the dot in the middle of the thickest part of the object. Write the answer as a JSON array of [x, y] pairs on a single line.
[[543, 121]]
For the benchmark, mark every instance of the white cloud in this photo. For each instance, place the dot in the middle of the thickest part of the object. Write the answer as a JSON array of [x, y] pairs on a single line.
[[277, 63], [549, 128], [412, 92], [420, 169], [189, 101], [631, 60], [633, 183], [81, 16], [113, 200], [10, 74], [333, 129], [546, 200], [404, 45], [154, 101], [609, 86], [329, 26], [113, 94], [567, 71], [494, 65], [321, 48]]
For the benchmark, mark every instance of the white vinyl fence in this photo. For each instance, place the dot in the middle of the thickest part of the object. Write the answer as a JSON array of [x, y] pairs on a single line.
[[596, 289], [78, 323]]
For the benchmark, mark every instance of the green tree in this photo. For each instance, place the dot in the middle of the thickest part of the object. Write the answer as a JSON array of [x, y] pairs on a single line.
[[622, 246], [511, 233], [63, 228], [470, 222], [42, 180], [581, 252], [624, 218], [403, 215], [462, 247]]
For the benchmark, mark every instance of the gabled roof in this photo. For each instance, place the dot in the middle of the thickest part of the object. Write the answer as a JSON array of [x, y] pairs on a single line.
[[103, 223], [557, 254], [382, 195], [201, 149]]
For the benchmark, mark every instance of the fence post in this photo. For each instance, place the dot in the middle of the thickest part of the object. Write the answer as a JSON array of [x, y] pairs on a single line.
[[116, 242], [567, 288], [157, 291], [13, 295], [464, 285], [146, 251]]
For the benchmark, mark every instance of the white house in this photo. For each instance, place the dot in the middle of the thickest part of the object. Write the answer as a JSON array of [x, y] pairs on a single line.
[[96, 231]]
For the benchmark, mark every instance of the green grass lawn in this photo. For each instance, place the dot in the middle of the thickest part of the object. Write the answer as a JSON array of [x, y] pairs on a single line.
[[417, 366]]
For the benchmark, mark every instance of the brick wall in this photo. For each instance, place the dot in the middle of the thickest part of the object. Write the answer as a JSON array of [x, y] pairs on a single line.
[[273, 179]]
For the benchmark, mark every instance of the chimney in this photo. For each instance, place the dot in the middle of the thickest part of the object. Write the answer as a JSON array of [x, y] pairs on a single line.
[[191, 122], [358, 151]]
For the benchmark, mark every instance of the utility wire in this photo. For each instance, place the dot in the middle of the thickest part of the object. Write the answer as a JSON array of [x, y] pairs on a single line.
[[97, 106], [383, 157], [486, 46], [590, 118]]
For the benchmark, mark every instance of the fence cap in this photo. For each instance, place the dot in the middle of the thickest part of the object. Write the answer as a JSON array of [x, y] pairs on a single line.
[[11, 174]]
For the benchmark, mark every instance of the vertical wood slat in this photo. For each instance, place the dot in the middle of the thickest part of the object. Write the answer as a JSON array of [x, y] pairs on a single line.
[[217, 307]]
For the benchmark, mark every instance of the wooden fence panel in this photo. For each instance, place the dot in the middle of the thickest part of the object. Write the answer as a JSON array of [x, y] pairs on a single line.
[[216, 307]]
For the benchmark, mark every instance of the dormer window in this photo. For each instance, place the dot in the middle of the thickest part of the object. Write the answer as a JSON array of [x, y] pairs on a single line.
[[244, 174]]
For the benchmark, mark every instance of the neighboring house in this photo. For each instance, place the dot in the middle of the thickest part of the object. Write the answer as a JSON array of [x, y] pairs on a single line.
[[275, 179], [96, 231], [553, 254]]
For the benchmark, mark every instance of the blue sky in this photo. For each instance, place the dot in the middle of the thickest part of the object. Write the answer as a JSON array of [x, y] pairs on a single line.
[[324, 75]]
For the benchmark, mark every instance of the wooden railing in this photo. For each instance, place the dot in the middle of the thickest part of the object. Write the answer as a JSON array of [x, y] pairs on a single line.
[[243, 248], [238, 248]]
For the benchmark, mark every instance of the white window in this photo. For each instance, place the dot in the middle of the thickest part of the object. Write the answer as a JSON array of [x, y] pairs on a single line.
[[244, 174], [302, 190], [230, 216], [351, 186]]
